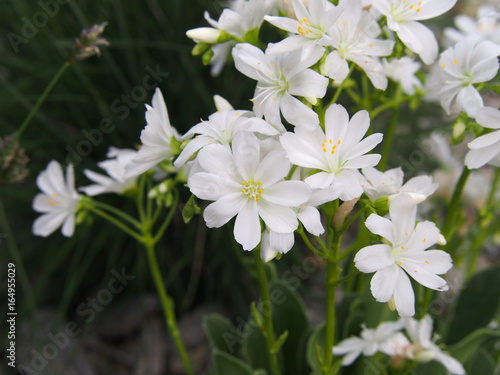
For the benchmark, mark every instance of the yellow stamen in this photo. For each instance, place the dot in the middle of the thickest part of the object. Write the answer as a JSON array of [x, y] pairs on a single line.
[[455, 61]]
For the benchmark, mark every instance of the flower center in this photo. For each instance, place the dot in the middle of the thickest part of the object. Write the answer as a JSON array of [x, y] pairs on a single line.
[[311, 32], [329, 146], [403, 11], [54, 200], [252, 189]]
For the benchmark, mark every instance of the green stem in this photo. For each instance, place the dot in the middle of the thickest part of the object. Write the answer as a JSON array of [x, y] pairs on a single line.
[[116, 222], [389, 136], [169, 217], [453, 205], [117, 212], [494, 188], [332, 274], [308, 243], [267, 311], [41, 99], [167, 304]]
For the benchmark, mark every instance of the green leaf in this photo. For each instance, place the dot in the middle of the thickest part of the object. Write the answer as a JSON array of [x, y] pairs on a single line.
[[279, 342], [255, 348], [476, 306], [190, 209], [221, 334], [289, 314], [314, 353], [483, 363], [226, 364], [468, 346]]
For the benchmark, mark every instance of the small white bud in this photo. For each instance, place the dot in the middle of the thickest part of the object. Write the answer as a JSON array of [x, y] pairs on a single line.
[[204, 35]]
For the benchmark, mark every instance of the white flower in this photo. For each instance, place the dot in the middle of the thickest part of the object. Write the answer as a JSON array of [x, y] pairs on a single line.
[[58, 201], [487, 25], [423, 349], [309, 27], [115, 168], [338, 152], [251, 189], [403, 71], [485, 148], [158, 139], [390, 184], [354, 38], [370, 342], [274, 243], [279, 77], [403, 254], [221, 128], [402, 16], [469, 61]]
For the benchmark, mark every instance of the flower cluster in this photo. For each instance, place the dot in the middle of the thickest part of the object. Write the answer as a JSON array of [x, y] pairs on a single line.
[[416, 345]]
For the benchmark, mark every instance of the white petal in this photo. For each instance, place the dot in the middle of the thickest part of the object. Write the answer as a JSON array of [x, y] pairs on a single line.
[[303, 153], [403, 211], [69, 226], [425, 235], [485, 140], [221, 211], [210, 186], [48, 223], [247, 229], [488, 117], [246, 153], [297, 113], [281, 242], [477, 158], [404, 297], [279, 219], [469, 100], [273, 168], [287, 193], [381, 226], [311, 219], [336, 67], [435, 261], [373, 258], [452, 365], [420, 40], [320, 180], [383, 283], [249, 60], [308, 83]]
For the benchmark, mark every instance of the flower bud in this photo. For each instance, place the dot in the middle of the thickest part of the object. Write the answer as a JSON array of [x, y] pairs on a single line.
[[204, 35]]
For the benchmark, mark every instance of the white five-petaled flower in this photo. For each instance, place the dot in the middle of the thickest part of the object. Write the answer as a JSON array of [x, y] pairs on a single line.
[[403, 71], [115, 182], [390, 184], [469, 61], [279, 78], [158, 139], [370, 342], [402, 17], [485, 148], [353, 36], [58, 201], [403, 254], [487, 25], [422, 348], [220, 128], [311, 23], [243, 185], [338, 152]]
